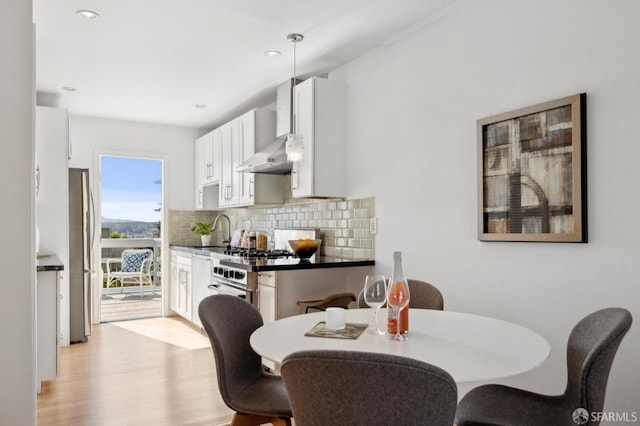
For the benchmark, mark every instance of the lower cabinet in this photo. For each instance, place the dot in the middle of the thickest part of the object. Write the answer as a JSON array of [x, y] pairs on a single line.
[[48, 326], [200, 281], [280, 291], [180, 290], [267, 296]]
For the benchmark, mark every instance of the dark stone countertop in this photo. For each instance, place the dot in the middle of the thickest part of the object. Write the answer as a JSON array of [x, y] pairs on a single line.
[[49, 262], [282, 264], [289, 264], [199, 249]]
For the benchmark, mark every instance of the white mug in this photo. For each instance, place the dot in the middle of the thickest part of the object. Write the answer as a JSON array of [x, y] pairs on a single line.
[[336, 318]]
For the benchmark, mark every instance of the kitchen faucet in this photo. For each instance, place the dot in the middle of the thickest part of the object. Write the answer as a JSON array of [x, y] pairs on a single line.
[[215, 223]]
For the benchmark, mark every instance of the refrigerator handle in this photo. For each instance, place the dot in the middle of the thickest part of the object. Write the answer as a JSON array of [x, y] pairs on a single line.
[[92, 218], [92, 231]]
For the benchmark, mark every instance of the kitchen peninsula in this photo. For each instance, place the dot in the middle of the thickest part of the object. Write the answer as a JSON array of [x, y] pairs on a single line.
[[272, 285]]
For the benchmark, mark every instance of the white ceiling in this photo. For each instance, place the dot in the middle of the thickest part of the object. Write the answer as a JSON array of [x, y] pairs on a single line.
[[153, 61]]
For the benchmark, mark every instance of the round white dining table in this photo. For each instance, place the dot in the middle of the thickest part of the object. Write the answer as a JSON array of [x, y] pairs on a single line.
[[469, 347]]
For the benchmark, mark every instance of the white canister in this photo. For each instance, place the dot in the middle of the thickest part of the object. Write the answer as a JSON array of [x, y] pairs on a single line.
[[336, 318]]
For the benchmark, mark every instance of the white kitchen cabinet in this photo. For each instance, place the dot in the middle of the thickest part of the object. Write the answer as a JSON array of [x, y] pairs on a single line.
[[200, 281], [240, 138], [48, 326], [267, 296], [280, 291], [228, 192], [246, 142], [211, 154], [174, 287], [267, 303], [320, 118], [207, 170], [207, 158], [199, 173], [180, 292], [52, 200]]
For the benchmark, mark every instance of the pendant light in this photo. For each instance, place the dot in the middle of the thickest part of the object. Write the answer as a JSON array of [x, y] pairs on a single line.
[[294, 146]]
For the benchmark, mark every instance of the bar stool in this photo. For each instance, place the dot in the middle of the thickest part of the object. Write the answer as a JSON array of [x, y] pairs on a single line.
[[340, 300]]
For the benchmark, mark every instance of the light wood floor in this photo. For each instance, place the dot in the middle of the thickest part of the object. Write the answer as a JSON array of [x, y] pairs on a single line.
[[123, 378], [119, 307]]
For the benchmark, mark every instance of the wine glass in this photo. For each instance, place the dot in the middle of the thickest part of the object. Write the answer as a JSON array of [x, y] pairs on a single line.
[[375, 295], [398, 299]]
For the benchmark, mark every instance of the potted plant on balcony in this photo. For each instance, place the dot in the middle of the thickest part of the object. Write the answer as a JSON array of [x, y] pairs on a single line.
[[204, 230]]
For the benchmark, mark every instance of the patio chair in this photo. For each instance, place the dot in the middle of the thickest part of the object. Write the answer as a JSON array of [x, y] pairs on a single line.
[[135, 268]]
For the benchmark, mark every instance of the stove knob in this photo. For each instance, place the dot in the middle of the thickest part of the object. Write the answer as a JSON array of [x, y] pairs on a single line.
[[238, 275]]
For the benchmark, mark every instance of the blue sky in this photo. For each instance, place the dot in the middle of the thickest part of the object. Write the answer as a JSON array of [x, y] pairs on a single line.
[[129, 190]]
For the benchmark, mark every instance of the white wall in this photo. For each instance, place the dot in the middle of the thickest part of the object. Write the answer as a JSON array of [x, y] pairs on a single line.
[[17, 305], [92, 137], [413, 106]]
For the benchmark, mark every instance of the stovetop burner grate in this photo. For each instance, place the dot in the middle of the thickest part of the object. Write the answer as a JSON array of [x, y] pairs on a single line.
[[258, 254]]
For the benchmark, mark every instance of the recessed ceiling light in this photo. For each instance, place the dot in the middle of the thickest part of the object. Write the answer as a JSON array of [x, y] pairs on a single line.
[[69, 89], [88, 14], [200, 106], [272, 53]]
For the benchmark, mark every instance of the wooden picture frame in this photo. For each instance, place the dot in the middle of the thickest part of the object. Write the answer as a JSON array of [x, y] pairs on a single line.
[[532, 173]]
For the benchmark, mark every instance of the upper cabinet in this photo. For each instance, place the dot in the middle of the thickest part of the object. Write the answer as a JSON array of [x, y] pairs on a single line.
[[206, 194], [240, 139], [255, 129], [220, 152], [229, 189], [198, 168], [320, 118], [211, 153]]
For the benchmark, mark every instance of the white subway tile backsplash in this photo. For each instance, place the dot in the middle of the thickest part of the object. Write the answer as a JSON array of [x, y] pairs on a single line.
[[343, 224], [361, 213]]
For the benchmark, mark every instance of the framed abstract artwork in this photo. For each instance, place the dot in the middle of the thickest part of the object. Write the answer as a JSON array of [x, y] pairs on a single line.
[[532, 173]]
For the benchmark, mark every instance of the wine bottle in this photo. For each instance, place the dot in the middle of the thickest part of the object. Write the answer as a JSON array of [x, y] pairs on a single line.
[[392, 321]]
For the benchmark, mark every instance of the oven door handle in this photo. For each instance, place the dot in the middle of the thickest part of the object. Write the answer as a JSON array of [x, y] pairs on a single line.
[[219, 281], [221, 289]]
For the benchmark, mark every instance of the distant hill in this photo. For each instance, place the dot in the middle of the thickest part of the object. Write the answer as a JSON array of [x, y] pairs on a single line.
[[107, 220], [131, 228]]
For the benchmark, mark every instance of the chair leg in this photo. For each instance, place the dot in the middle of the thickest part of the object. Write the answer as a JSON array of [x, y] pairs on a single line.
[[280, 421], [241, 419], [109, 282]]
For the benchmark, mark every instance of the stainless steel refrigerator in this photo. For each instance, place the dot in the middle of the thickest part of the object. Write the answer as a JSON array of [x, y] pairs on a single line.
[[81, 234]]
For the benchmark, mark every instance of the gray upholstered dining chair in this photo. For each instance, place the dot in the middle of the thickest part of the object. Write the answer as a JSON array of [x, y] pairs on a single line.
[[423, 296], [362, 388], [591, 347], [341, 300], [257, 396]]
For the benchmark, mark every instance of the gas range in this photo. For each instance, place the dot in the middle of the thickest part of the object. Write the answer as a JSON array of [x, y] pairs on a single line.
[[238, 277], [258, 254]]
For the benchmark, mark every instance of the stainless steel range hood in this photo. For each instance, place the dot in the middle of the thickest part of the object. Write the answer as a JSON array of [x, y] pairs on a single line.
[[272, 158]]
